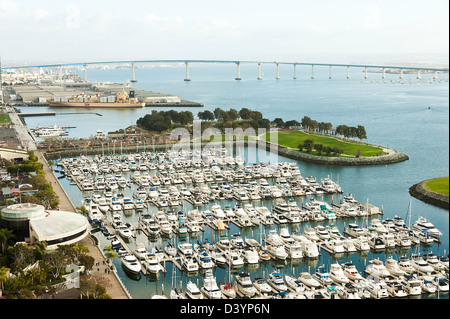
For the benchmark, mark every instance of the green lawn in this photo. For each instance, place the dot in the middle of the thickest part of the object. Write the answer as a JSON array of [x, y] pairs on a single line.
[[438, 185], [293, 138], [4, 118]]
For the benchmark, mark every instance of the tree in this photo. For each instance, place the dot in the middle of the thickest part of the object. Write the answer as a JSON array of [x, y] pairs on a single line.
[[218, 113], [306, 122], [206, 115], [328, 150], [361, 132], [308, 145], [292, 123], [300, 147], [233, 114], [5, 236], [319, 148], [278, 122], [245, 113], [338, 151]]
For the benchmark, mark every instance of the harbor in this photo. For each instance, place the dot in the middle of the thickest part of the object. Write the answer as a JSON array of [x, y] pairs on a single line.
[[214, 212]]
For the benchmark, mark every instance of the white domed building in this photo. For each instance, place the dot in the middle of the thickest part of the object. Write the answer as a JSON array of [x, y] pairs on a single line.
[[32, 223]]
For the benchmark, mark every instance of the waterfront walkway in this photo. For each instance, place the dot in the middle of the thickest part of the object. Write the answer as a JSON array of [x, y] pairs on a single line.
[[101, 272]]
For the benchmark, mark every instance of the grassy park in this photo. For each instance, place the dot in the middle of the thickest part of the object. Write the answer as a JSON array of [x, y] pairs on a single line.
[[293, 138], [438, 185], [4, 119]]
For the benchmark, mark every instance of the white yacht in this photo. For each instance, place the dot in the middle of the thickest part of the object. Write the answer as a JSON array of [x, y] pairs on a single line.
[[322, 276], [433, 261], [294, 250], [337, 274], [151, 264], [308, 280], [294, 284], [131, 264], [244, 284], [405, 264], [262, 286], [234, 259], [377, 289], [310, 233], [422, 223], [192, 291], [189, 262], [362, 243], [412, 285], [351, 272], [277, 252], [377, 269], [393, 268], [336, 246], [421, 265], [140, 251], [395, 288], [124, 231], [277, 282], [250, 256], [210, 288]]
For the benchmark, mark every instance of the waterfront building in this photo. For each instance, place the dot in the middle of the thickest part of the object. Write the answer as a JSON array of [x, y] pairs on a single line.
[[31, 223]]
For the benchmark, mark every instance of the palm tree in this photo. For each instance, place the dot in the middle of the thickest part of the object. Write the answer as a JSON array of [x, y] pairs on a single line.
[[3, 272], [5, 236], [109, 253]]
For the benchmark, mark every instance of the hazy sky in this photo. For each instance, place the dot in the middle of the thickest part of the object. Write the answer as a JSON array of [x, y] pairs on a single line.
[[307, 31]]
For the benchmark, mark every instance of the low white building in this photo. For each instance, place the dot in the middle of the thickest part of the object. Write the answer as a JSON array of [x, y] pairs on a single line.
[[32, 223]]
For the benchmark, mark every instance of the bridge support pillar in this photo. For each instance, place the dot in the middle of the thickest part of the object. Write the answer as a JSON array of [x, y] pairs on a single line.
[[60, 73], [133, 77], [329, 75], [85, 74], [312, 71], [238, 75], [419, 76], [401, 74], [187, 79], [435, 75], [295, 72], [278, 71], [365, 72], [259, 71], [348, 72], [384, 74]]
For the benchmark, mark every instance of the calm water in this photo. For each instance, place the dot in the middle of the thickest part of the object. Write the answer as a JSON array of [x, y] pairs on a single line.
[[411, 117]]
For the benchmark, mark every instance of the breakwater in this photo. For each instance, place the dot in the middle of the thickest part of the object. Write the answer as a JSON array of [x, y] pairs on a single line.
[[420, 192], [393, 156]]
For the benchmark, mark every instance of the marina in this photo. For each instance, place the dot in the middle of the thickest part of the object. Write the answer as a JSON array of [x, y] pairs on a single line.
[[201, 204], [380, 186]]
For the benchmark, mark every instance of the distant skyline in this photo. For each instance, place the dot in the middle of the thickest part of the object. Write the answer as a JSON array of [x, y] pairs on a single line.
[[349, 31]]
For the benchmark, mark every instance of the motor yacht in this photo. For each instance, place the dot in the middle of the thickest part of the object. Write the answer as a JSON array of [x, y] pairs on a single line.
[[237, 241], [424, 223], [308, 280], [355, 231], [377, 243], [351, 272], [376, 269], [421, 265], [405, 264], [322, 233], [336, 246], [310, 234], [395, 289], [277, 251], [433, 261], [276, 281], [131, 264], [210, 288], [151, 264], [234, 259], [244, 284], [412, 285], [377, 289], [189, 262], [140, 251], [192, 291], [362, 243], [250, 256], [322, 276], [124, 232], [262, 286], [294, 250], [170, 250], [294, 284], [393, 268], [337, 274]]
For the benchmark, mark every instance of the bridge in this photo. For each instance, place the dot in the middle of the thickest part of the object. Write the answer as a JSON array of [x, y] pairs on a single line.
[[382, 68]]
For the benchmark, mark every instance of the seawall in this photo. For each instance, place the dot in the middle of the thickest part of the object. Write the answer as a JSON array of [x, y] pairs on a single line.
[[420, 192], [393, 156]]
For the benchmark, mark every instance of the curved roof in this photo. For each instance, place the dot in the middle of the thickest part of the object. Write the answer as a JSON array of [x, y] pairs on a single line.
[[59, 224]]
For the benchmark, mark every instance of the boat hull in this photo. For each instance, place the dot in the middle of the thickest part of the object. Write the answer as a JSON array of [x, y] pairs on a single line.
[[96, 104]]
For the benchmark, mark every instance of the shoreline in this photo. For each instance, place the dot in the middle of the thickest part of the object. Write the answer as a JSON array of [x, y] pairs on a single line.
[[420, 192], [392, 157]]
